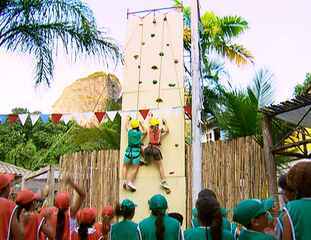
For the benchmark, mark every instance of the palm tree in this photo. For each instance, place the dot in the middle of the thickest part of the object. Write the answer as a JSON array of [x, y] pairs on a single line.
[[39, 27]]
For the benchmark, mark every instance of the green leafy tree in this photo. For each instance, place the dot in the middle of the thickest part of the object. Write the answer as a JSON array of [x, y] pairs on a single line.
[[38, 28], [301, 89]]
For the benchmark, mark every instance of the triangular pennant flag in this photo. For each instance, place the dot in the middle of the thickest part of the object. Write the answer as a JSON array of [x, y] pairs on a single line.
[[55, 117], [35, 117], [133, 114], [123, 114], [87, 116], [12, 118], [66, 118], [23, 117], [188, 110], [112, 115], [100, 116], [3, 118], [144, 113]]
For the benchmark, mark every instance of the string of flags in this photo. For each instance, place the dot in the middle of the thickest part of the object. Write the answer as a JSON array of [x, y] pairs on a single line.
[[87, 116]]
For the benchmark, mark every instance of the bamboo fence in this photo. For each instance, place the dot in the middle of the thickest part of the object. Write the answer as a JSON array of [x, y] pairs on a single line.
[[97, 173], [234, 169]]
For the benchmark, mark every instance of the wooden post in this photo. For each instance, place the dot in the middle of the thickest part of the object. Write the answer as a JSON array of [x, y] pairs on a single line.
[[196, 103], [268, 155], [51, 184]]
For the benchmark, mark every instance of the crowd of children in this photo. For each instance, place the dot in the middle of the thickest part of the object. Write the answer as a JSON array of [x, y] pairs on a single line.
[[285, 218]]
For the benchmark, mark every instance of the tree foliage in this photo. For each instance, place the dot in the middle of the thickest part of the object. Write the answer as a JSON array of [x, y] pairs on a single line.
[[39, 28], [301, 89]]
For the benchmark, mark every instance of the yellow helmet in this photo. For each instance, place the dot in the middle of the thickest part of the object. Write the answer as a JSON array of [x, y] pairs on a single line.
[[154, 122], [134, 123]]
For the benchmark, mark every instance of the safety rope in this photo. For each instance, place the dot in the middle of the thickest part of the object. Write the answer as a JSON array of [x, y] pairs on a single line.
[[139, 66], [161, 61]]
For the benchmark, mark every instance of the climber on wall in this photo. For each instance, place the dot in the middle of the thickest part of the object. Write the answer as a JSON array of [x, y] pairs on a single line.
[[153, 151], [132, 157]]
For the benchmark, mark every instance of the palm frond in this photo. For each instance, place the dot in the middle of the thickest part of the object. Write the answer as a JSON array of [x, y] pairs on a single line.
[[233, 26], [235, 53], [262, 87]]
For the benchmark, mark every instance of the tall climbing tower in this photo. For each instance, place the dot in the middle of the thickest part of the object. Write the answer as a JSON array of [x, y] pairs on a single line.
[[154, 80]]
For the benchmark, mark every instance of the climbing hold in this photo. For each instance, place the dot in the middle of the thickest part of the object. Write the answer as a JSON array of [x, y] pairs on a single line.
[[154, 81], [140, 82], [171, 173], [143, 43], [167, 44], [176, 145], [171, 84], [136, 56], [154, 21], [138, 66], [175, 61], [154, 67], [161, 54], [152, 35], [165, 18], [159, 100]]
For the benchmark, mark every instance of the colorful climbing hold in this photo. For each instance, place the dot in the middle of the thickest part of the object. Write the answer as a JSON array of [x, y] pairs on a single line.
[[154, 67]]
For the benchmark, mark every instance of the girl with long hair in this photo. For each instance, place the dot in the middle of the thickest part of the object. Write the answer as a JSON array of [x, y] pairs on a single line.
[[211, 222], [159, 226], [126, 228]]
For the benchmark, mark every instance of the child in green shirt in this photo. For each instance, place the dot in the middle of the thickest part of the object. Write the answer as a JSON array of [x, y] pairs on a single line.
[[252, 214], [125, 229]]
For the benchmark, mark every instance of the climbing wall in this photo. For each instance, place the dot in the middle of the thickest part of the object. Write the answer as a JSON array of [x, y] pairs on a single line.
[[153, 79]]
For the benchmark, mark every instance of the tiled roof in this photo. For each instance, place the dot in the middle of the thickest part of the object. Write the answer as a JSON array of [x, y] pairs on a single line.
[[12, 169]]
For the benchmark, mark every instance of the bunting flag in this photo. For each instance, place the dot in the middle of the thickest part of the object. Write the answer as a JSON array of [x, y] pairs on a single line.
[[44, 118], [87, 116], [22, 118], [12, 118], [188, 111], [133, 114], [34, 118], [55, 117], [66, 117], [77, 117], [100, 116], [144, 113], [112, 115], [3, 118]]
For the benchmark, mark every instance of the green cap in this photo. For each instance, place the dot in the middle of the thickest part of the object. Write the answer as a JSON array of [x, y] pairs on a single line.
[[247, 210], [128, 204], [268, 203], [157, 201]]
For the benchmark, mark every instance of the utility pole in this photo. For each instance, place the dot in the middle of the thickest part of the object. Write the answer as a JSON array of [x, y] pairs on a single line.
[[196, 103]]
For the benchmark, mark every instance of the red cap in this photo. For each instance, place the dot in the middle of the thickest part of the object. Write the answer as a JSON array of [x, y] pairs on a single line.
[[5, 180], [24, 197], [107, 211], [62, 200], [86, 215]]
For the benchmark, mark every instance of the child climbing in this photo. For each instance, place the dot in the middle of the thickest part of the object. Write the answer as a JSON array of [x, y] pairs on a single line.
[[153, 151], [132, 158]]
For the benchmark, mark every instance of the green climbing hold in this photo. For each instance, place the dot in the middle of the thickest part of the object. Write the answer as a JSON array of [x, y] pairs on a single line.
[[152, 35], [159, 100], [171, 84], [154, 67], [161, 54], [154, 81]]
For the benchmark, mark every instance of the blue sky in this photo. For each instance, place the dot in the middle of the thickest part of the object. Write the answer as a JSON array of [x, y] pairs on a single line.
[[279, 37]]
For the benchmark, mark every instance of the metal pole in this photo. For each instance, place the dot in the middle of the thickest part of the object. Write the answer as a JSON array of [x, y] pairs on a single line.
[[196, 103]]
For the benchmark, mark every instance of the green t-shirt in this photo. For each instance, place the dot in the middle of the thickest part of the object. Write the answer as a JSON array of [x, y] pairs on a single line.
[[125, 229], [199, 233], [147, 229], [253, 235], [134, 137], [300, 216]]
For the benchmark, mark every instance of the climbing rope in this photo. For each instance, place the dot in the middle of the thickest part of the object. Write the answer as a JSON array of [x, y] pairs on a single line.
[[139, 66]]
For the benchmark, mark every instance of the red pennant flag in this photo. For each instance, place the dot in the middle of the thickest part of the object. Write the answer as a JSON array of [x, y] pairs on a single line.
[[12, 118], [188, 111], [144, 113], [55, 117], [100, 116]]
